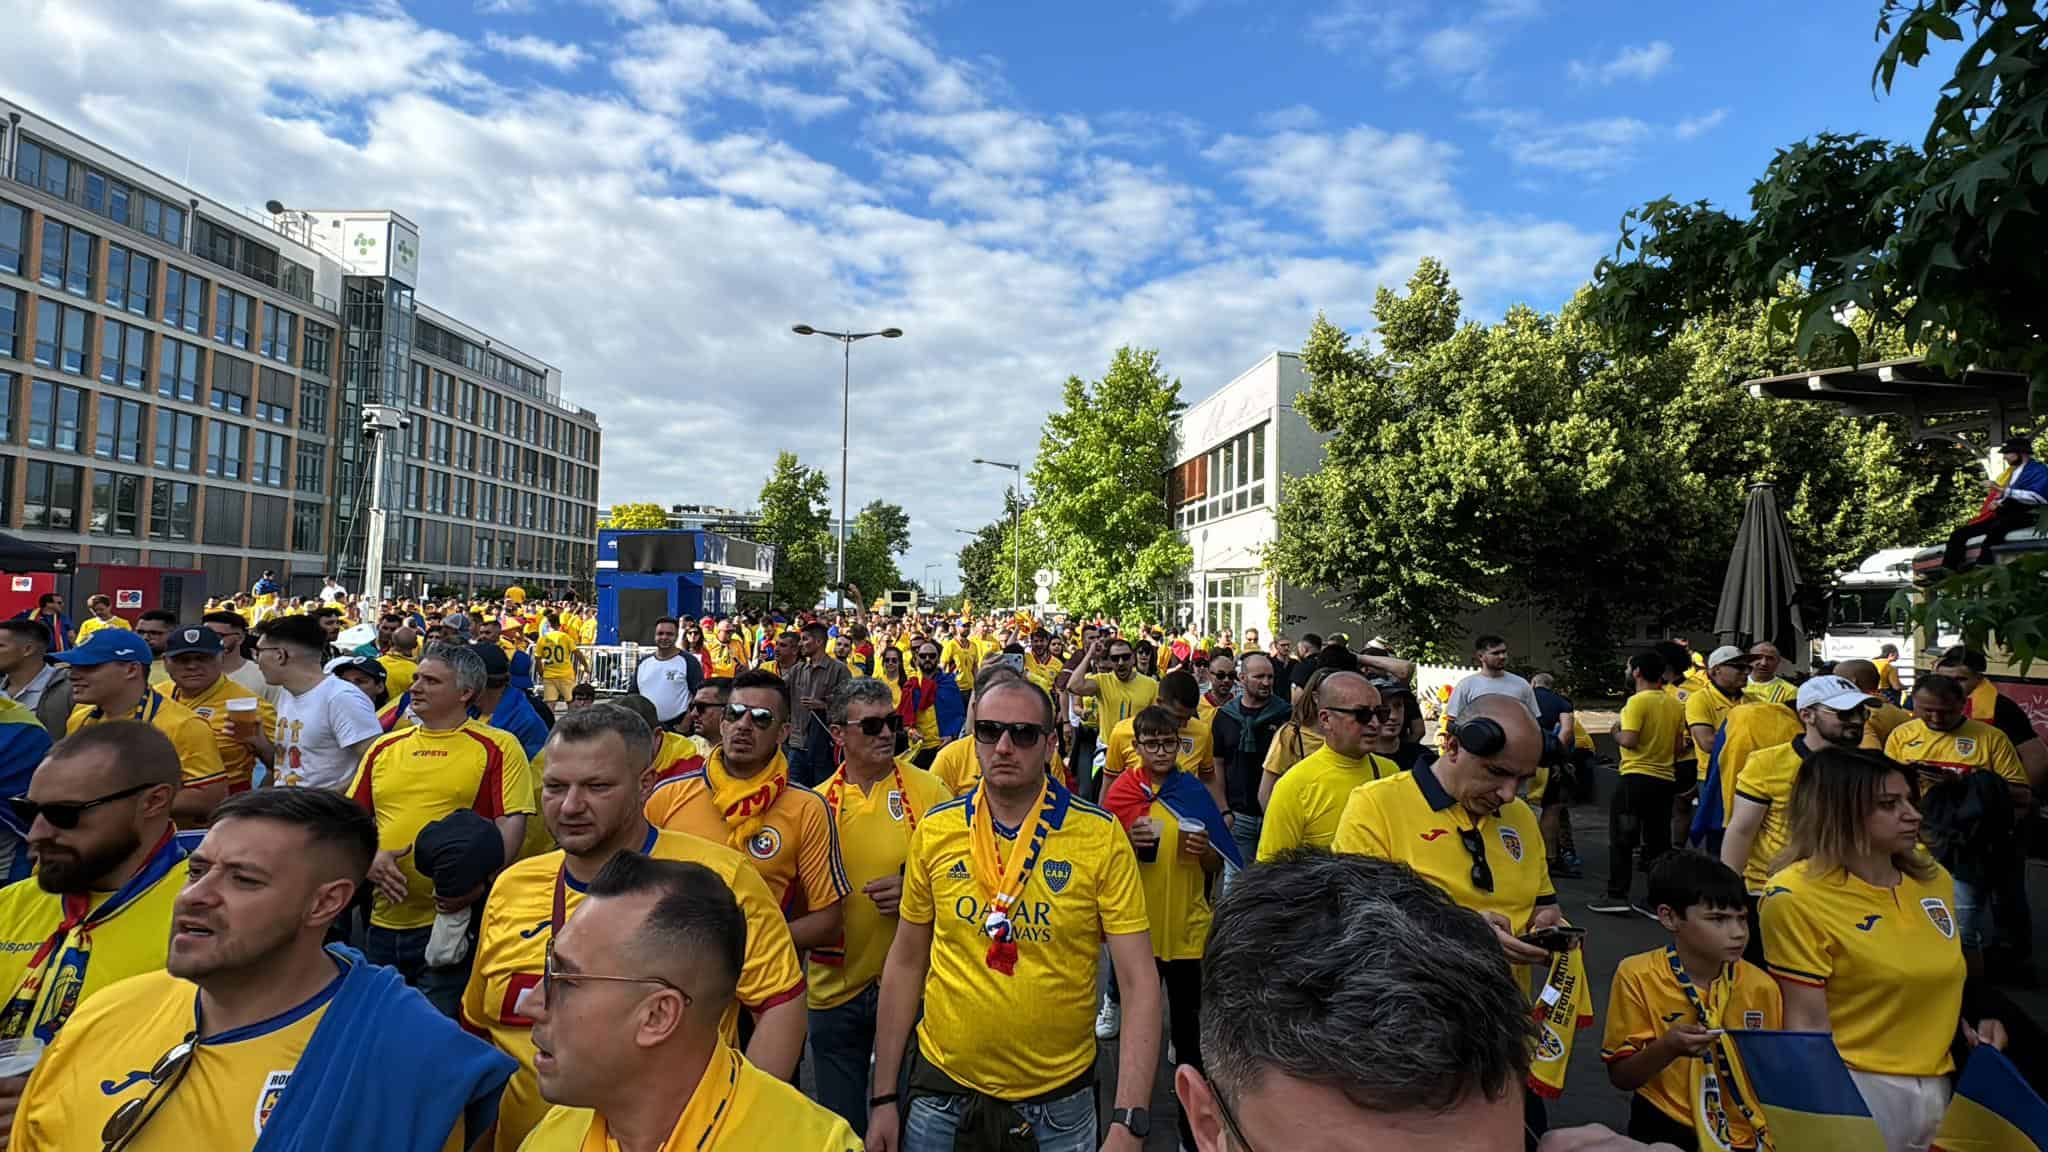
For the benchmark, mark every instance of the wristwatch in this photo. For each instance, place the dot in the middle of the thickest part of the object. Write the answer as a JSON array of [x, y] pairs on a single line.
[[1138, 1120]]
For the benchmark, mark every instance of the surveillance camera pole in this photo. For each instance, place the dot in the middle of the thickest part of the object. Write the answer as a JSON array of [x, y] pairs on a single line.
[[380, 423]]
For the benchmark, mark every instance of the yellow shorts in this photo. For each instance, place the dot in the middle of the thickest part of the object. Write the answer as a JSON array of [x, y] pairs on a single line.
[[553, 689]]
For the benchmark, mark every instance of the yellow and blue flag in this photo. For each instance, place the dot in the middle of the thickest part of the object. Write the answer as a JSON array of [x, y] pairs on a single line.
[[1808, 1099], [1994, 1110]]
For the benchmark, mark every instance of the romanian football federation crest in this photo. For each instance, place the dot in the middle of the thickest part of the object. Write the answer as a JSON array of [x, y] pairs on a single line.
[[1753, 1021], [896, 805], [1512, 841], [765, 844], [1937, 911], [266, 1100], [1057, 873], [1966, 745], [1550, 1045]]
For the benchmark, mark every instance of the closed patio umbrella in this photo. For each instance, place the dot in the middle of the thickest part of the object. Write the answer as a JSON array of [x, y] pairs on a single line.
[[1760, 593]]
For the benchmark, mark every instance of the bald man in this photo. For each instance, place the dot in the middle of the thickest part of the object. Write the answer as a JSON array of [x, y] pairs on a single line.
[[1306, 803], [1883, 717]]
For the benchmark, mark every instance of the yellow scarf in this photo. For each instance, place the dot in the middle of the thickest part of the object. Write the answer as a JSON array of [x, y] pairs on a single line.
[[745, 803], [1561, 1010], [702, 1118], [1002, 882]]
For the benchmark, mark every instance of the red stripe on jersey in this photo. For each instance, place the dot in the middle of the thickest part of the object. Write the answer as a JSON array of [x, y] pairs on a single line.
[[490, 791]]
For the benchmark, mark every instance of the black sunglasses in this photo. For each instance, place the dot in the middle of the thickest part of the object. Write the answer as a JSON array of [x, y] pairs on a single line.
[[1021, 735], [1365, 715], [63, 815], [120, 1128], [876, 725], [762, 717], [1475, 843]]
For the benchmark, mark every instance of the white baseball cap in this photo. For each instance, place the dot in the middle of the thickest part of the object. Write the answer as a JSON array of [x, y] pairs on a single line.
[[1727, 654], [1834, 693]]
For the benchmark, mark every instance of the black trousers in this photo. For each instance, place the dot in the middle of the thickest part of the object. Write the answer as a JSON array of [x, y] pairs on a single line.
[[1638, 813], [1183, 980], [1649, 1124], [2006, 517]]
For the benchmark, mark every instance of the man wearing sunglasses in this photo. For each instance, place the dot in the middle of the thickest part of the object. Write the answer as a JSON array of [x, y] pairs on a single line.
[[110, 681], [1009, 894], [253, 1029], [628, 1025], [1304, 809], [324, 725], [744, 798], [877, 802], [596, 764], [1222, 683]]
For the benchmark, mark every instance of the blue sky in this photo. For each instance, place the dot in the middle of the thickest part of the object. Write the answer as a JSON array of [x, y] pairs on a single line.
[[648, 193]]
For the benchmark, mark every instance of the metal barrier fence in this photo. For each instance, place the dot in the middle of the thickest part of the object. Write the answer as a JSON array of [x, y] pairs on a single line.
[[612, 666]]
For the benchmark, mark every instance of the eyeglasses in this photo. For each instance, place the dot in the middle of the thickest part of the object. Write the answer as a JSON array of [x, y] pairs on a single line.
[[1021, 735], [120, 1128], [551, 976], [65, 815], [277, 650], [762, 717], [1482, 872], [1169, 745], [1365, 715], [702, 707], [876, 725], [1229, 1121]]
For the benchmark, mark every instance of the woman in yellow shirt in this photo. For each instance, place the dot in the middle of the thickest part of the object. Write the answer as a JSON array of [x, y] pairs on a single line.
[[1860, 930], [1296, 740]]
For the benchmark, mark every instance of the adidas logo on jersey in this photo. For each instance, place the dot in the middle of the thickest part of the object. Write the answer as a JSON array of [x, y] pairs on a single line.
[[958, 871]]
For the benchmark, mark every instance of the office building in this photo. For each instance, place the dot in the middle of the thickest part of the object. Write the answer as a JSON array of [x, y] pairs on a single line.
[[182, 384]]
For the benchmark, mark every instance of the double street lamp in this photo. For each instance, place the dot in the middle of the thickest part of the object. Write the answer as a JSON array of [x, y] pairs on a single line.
[[1016, 505], [846, 341]]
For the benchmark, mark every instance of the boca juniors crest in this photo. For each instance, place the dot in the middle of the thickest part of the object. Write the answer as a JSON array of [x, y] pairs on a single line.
[[266, 1100], [1512, 841], [1937, 912], [896, 805], [765, 844], [1058, 874]]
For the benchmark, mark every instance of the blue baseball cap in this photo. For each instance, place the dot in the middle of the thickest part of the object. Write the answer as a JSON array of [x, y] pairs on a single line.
[[107, 646], [202, 640]]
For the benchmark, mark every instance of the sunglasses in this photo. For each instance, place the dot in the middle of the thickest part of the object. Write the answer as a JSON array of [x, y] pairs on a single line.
[[1021, 735], [1365, 715], [550, 976], [1482, 872], [1125, 658], [762, 717], [127, 1120], [1222, 675], [65, 815], [876, 725]]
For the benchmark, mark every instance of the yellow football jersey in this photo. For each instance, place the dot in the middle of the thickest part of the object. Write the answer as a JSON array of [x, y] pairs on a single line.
[[1658, 720], [796, 850], [874, 842], [1197, 749], [736, 1107], [1646, 1001], [237, 759], [1768, 776], [1176, 892], [1121, 700], [199, 761], [131, 942], [1971, 746], [1308, 803], [1409, 817]]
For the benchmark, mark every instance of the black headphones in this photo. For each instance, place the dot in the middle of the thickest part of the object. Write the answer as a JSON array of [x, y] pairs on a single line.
[[1481, 737]]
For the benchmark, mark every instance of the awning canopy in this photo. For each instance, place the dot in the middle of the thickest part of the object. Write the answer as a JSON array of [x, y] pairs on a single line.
[[18, 555], [1940, 405]]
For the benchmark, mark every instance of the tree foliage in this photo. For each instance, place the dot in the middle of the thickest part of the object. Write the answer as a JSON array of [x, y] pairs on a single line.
[[877, 536], [796, 520], [1099, 490], [636, 516], [1529, 461], [986, 562]]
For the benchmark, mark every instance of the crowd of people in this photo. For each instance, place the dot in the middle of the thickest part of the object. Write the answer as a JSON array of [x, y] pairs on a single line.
[[297, 874]]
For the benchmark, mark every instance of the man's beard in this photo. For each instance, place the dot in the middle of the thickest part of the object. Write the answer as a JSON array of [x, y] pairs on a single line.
[[74, 875]]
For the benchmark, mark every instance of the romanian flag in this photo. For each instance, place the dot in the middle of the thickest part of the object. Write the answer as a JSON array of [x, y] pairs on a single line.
[[1993, 1109], [1808, 1099]]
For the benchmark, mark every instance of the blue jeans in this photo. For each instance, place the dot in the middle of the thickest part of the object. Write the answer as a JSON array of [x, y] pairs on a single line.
[[1065, 1125], [1244, 829], [1971, 913], [842, 1039], [406, 950]]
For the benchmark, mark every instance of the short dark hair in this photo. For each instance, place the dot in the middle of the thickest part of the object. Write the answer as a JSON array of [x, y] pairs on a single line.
[[815, 626], [584, 691], [143, 754], [1312, 639], [44, 600], [1154, 721], [1676, 659], [1944, 689], [1337, 658], [325, 610], [1179, 687], [30, 631], [588, 724], [1355, 972], [669, 620], [694, 913], [233, 620], [161, 616], [327, 818], [1113, 641], [640, 706], [1487, 640], [759, 678], [301, 632], [1684, 879], [1647, 664], [719, 684], [1963, 656]]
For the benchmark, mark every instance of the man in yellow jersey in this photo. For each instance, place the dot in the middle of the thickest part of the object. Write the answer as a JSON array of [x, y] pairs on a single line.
[[155, 626], [1885, 716], [1833, 713], [877, 802], [110, 681], [1889, 685], [409, 779], [400, 660], [1039, 666], [1983, 701], [1180, 695], [1118, 695], [744, 799], [961, 654], [1763, 683], [98, 909], [561, 665], [193, 656], [1941, 742], [627, 1025], [590, 798], [1706, 705], [1307, 804], [1651, 728], [252, 1030], [1008, 897], [102, 608]]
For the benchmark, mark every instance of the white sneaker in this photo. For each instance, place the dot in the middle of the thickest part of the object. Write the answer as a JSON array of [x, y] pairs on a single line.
[[1110, 1020]]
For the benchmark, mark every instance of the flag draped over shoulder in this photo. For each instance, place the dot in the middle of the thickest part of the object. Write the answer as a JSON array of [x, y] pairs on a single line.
[[1993, 1110], [1805, 1091]]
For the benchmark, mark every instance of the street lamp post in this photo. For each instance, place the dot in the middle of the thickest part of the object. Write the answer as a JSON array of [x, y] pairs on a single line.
[[1016, 506], [928, 577], [846, 341]]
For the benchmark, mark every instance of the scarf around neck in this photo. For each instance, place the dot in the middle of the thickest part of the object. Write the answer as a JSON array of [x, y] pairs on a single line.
[[745, 803]]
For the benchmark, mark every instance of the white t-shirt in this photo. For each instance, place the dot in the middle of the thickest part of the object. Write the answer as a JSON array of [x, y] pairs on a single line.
[[331, 592], [1479, 684], [315, 730], [666, 683]]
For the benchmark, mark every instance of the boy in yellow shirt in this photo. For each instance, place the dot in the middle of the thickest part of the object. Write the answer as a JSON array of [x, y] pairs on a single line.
[[1671, 1008]]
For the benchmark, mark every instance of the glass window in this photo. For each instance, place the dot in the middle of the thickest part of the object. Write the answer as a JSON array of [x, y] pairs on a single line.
[[312, 464], [305, 526], [39, 167], [177, 439], [318, 350], [171, 505], [269, 455], [116, 503], [131, 279], [118, 433], [13, 236], [278, 326], [184, 300], [8, 383], [224, 516], [124, 357], [312, 407], [50, 497], [231, 384], [10, 323], [231, 317], [224, 449], [267, 522], [56, 415], [177, 370], [164, 221]]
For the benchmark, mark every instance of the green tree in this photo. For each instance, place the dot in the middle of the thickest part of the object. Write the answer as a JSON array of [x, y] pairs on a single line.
[[1099, 489], [1530, 462], [796, 520], [636, 516], [985, 560], [879, 534]]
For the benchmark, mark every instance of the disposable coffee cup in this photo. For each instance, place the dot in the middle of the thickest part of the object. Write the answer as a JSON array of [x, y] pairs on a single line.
[[18, 1057], [243, 715]]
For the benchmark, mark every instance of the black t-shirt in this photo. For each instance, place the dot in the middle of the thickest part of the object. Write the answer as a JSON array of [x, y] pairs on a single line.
[[1299, 672], [1243, 766], [2008, 717], [1409, 754]]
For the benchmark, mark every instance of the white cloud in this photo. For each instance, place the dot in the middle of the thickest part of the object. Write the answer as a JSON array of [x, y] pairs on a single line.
[[561, 57], [1584, 147], [1293, 118], [1351, 185], [1693, 126], [1642, 62], [503, 7], [1410, 38]]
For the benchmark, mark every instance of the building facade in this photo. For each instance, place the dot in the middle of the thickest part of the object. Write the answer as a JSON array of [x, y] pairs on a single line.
[[1233, 451], [182, 385]]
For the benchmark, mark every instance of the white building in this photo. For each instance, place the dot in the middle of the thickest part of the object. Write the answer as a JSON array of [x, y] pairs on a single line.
[[1232, 453]]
